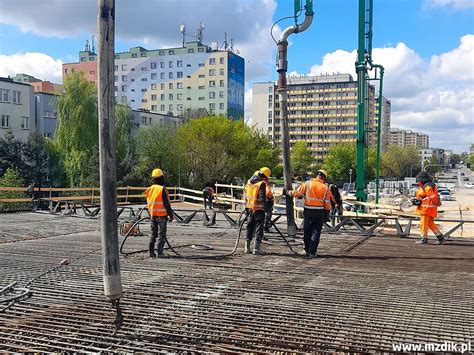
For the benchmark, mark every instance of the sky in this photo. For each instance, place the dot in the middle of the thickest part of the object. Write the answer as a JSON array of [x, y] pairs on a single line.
[[426, 47]]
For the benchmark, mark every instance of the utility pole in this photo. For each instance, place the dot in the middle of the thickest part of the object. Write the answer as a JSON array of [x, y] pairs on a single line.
[[282, 68], [108, 188]]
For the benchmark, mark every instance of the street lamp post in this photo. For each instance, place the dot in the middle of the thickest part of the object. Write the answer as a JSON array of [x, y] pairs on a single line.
[[350, 177]]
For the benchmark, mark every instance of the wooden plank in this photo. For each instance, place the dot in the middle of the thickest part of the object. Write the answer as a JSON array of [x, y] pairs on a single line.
[[22, 189], [15, 200]]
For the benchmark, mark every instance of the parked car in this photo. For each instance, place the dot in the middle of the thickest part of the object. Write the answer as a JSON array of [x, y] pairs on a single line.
[[469, 185]]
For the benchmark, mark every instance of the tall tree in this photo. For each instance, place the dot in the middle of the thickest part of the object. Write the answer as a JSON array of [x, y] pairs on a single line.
[[77, 130], [301, 159], [36, 156], [400, 161], [123, 130], [11, 153]]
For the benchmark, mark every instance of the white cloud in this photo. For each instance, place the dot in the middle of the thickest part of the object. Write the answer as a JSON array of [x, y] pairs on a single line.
[[248, 105], [432, 96], [39, 65], [456, 4], [149, 22]]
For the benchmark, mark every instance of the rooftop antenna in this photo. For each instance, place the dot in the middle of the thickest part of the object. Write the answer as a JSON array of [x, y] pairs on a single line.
[[225, 41], [199, 31], [93, 44], [232, 45], [182, 29], [87, 47]]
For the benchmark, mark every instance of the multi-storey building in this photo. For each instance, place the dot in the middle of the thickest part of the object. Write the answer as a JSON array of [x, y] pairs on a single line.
[[174, 81], [39, 85], [322, 111], [404, 138], [16, 108], [386, 117]]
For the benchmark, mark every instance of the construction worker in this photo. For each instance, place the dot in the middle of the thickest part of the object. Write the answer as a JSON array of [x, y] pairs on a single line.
[[256, 202], [336, 202], [208, 193], [317, 203], [160, 211], [427, 201], [270, 200]]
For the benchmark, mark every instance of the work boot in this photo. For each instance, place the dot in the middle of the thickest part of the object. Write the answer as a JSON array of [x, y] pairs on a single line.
[[247, 247], [441, 239], [312, 256], [422, 241], [257, 248], [151, 250]]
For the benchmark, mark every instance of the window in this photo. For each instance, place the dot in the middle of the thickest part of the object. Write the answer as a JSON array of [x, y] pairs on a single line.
[[270, 115], [221, 71], [16, 97], [162, 64], [115, 78], [221, 83], [212, 83], [153, 86], [212, 61], [212, 95], [124, 88], [179, 96], [162, 86], [116, 89], [221, 60], [180, 107], [179, 74], [144, 79], [179, 85], [212, 106], [170, 75], [171, 52], [179, 63], [170, 86], [144, 90], [221, 94], [162, 75], [270, 89], [200, 49], [170, 96], [25, 123], [201, 87], [221, 105], [5, 121], [124, 78], [188, 65], [212, 72], [201, 64], [161, 53], [201, 76], [154, 76], [92, 72], [153, 97], [154, 107], [124, 98], [170, 64], [91, 58], [201, 98], [134, 55], [116, 67], [153, 65], [162, 107], [162, 97], [142, 54], [144, 68], [170, 107], [132, 69], [190, 50]]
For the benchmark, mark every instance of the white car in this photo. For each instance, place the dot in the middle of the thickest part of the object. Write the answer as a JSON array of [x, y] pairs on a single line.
[[445, 196], [469, 185]]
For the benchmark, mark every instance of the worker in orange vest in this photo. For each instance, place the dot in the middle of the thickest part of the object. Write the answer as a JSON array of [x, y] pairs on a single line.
[[160, 211], [256, 202], [427, 201], [270, 199], [317, 203]]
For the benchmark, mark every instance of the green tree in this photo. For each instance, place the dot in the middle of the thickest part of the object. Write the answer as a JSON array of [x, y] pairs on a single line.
[[11, 178], [455, 159], [76, 134], [123, 130], [11, 153], [36, 156], [301, 159], [340, 158], [400, 161]]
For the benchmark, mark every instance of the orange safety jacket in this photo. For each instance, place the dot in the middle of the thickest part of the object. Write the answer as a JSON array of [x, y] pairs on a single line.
[[252, 201], [429, 201], [268, 191], [317, 195], [154, 199]]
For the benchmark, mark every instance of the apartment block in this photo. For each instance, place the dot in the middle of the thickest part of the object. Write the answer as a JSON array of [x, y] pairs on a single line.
[[39, 85], [385, 120], [404, 138], [174, 81], [17, 104], [322, 111]]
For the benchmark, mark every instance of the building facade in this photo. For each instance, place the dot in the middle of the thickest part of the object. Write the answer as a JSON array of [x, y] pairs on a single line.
[[385, 119], [46, 113], [39, 85], [404, 138], [16, 108], [322, 111], [174, 81]]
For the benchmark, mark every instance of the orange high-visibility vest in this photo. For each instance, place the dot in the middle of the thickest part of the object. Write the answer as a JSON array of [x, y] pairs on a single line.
[[268, 191], [251, 197], [429, 201], [154, 199], [317, 195]]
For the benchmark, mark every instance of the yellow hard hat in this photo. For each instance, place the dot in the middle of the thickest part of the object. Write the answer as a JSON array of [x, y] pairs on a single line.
[[323, 172], [156, 173], [266, 171]]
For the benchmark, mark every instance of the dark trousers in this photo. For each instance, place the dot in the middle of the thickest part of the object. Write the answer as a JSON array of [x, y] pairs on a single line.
[[313, 223], [255, 225], [268, 214], [158, 231], [207, 199]]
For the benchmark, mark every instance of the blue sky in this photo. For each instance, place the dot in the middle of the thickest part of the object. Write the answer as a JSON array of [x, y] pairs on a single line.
[[427, 46]]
